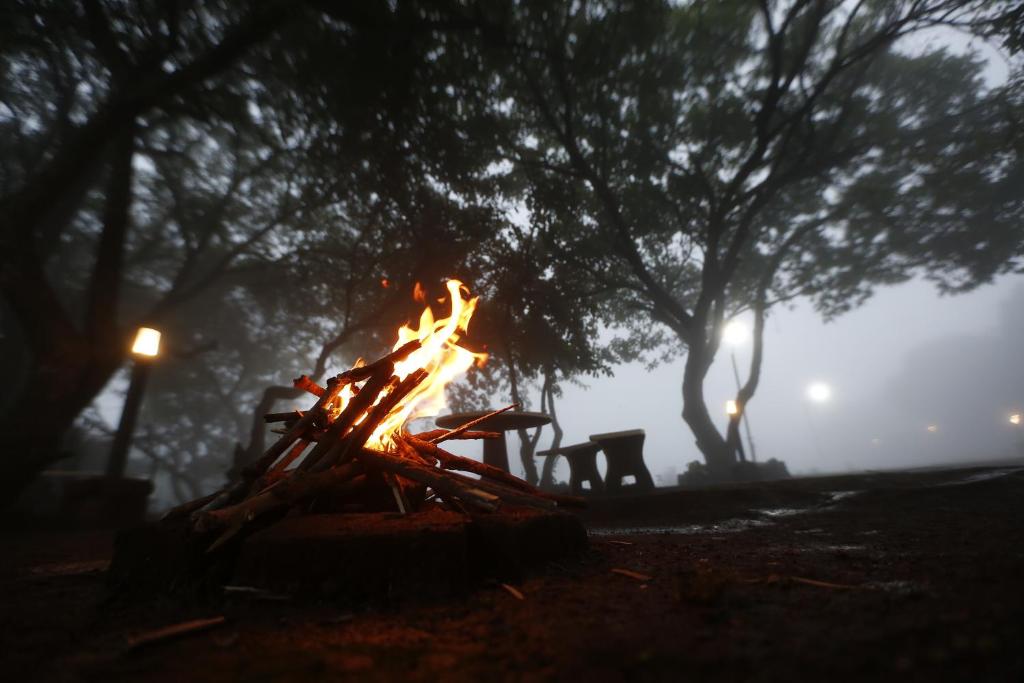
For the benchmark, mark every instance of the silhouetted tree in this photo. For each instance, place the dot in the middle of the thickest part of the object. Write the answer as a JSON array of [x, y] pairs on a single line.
[[705, 159]]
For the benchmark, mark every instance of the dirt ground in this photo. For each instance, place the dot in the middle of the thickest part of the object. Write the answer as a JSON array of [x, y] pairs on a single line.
[[902, 576]]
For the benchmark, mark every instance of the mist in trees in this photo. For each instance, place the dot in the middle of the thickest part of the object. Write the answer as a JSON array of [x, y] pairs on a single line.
[[267, 182]]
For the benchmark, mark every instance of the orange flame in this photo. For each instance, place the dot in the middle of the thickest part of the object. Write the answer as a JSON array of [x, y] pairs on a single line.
[[439, 354]]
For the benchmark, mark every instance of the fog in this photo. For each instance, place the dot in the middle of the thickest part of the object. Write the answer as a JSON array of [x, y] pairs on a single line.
[[590, 197], [906, 360]]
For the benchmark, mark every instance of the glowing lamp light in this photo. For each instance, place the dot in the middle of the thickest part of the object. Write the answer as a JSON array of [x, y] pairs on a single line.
[[819, 392], [933, 429], [1015, 419], [147, 342], [735, 333], [731, 408]]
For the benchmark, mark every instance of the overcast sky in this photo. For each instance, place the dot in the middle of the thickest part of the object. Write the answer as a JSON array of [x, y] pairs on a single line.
[[867, 423], [875, 417]]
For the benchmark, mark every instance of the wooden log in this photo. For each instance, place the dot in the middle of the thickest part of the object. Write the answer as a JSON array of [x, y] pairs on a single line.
[[304, 383], [355, 409], [461, 429], [342, 451], [238, 491], [506, 493], [288, 491], [191, 506], [367, 371], [174, 631], [450, 461], [434, 433], [293, 415], [291, 456], [407, 451], [256, 469], [444, 484]]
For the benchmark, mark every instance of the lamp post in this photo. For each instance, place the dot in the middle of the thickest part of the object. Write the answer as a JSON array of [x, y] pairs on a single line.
[[736, 334], [1017, 420], [145, 348]]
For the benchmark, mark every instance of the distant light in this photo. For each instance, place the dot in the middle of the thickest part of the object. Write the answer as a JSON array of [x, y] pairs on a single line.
[[1015, 419], [731, 408], [735, 333], [933, 428], [147, 342], [819, 392]]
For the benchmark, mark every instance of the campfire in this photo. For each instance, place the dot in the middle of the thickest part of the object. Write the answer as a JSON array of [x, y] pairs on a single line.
[[353, 441]]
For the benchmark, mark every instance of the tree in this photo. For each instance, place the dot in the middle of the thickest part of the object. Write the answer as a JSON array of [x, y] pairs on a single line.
[[161, 150], [711, 158]]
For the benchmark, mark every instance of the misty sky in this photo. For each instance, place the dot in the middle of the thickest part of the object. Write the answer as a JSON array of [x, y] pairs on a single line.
[[860, 355], [875, 418], [882, 402]]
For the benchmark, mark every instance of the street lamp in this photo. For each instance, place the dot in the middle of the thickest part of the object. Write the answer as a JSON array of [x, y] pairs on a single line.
[[734, 334], [819, 392], [1017, 419], [145, 348]]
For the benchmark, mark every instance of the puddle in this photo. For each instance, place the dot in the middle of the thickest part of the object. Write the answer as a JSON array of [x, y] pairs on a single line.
[[69, 568], [898, 587], [982, 476], [759, 518], [729, 526], [835, 549]]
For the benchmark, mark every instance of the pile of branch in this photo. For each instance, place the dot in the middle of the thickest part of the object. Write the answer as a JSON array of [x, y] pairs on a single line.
[[322, 452]]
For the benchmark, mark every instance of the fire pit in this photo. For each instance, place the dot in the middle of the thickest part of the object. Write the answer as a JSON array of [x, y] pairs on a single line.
[[346, 480]]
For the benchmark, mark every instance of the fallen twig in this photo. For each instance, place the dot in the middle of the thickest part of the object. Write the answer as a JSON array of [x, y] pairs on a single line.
[[516, 593], [632, 574], [174, 631]]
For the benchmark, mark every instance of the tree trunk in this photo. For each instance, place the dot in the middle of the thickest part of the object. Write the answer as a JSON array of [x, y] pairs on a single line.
[[34, 426], [547, 478], [527, 444], [718, 455]]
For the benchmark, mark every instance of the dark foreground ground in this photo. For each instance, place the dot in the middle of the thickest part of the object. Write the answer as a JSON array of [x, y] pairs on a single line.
[[916, 576]]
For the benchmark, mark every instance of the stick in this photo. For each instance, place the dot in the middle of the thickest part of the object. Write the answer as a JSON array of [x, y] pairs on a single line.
[[515, 592], [340, 452], [444, 485], [256, 469], [306, 384], [396, 491], [434, 433], [283, 417], [367, 371], [285, 492], [632, 574], [191, 506], [472, 423], [505, 493], [292, 455], [450, 461], [411, 453], [168, 632], [359, 404]]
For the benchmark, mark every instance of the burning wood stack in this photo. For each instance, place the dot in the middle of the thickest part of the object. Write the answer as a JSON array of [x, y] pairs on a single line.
[[354, 435]]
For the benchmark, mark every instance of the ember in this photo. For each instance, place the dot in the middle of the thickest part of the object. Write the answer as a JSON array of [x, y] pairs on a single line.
[[354, 436]]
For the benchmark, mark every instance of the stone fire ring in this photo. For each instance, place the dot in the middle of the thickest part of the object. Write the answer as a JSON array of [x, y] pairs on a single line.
[[351, 558]]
